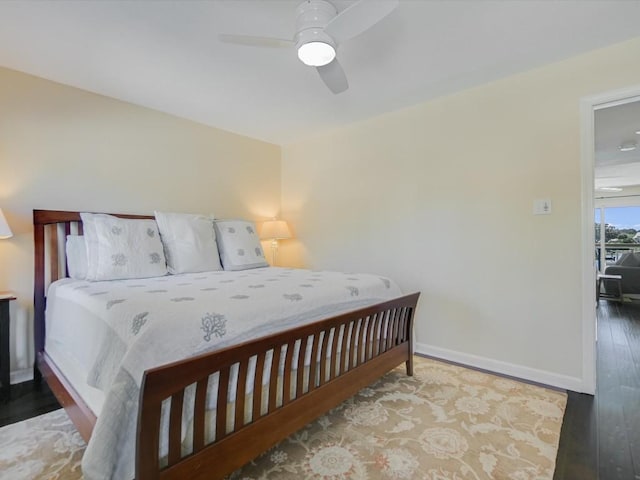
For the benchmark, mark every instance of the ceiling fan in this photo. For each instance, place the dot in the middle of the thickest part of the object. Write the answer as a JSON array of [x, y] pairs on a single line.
[[320, 29]]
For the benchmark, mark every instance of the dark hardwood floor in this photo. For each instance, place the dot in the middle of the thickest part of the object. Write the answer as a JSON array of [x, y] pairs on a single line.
[[26, 402], [577, 453], [618, 394], [600, 436]]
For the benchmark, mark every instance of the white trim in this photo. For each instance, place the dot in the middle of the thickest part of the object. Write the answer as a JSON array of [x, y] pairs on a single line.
[[622, 201], [587, 164], [23, 375], [588, 307], [615, 98], [526, 373]]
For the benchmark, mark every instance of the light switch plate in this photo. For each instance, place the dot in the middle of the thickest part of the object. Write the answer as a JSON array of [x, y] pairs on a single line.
[[542, 206]]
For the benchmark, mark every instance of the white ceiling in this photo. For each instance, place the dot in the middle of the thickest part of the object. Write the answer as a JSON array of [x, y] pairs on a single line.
[[165, 54], [616, 126]]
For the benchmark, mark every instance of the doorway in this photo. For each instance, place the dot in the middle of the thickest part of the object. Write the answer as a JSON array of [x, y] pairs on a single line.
[[609, 171]]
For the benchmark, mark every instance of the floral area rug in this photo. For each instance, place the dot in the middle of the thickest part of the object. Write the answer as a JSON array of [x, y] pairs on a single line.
[[45, 447], [444, 423]]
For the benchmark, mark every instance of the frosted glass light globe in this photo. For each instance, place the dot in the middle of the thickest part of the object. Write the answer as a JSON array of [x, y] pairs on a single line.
[[316, 54]]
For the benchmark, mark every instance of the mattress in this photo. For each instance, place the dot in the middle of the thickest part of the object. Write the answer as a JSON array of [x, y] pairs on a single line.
[[72, 339], [103, 335]]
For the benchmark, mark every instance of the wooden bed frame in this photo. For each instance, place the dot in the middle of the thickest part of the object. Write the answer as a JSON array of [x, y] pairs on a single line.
[[363, 345]]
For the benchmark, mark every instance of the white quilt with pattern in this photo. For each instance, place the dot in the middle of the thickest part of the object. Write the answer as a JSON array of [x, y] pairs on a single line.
[[155, 321]]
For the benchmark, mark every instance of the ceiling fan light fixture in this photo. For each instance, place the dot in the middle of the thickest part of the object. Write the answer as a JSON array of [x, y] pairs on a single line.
[[316, 54], [627, 147], [315, 48]]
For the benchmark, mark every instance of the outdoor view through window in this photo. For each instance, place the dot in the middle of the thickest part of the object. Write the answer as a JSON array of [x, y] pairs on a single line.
[[621, 233]]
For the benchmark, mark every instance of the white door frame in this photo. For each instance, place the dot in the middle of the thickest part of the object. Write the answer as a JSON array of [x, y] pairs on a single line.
[[587, 162]]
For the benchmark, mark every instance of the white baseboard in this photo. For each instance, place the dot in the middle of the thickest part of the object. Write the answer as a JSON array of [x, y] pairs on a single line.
[[19, 376], [526, 373]]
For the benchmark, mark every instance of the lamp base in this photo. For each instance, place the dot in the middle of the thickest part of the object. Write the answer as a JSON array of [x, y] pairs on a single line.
[[274, 252]]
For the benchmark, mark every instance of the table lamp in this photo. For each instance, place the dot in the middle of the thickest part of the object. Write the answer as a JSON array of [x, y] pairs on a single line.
[[5, 231], [275, 230]]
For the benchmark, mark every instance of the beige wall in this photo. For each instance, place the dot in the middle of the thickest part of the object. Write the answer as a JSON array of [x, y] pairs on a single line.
[[440, 198], [64, 148]]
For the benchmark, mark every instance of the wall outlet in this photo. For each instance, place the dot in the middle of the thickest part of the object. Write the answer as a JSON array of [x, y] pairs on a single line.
[[542, 206]]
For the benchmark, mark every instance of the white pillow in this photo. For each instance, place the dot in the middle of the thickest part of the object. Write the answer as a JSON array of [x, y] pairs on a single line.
[[239, 245], [76, 257], [189, 242], [119, 248]]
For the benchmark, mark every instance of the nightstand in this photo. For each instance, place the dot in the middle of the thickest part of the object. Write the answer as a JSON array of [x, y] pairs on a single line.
[[5, 378]]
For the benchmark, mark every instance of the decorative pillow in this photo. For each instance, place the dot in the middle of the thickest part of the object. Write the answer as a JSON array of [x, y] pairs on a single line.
[[239, 245], [76, 257], [119, 248], [189, 242]]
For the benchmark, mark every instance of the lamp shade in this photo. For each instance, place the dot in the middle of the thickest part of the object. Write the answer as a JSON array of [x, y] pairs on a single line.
[[5, 231], [275, 229]]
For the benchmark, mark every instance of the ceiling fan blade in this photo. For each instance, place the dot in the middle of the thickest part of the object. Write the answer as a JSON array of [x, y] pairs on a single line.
[[252, 41], [334, 77], [359, 17]]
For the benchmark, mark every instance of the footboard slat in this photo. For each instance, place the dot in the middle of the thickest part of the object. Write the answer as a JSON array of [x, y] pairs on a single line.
[[367, 339], [361, 340], [273, 379], [396, 327], [353, 350], [384, 318], [389, 330], [302, 355], [257, 387], [199, 414], [286, 395], [175, 426], [372, 337], [240, 392], [344, 358], [335, 359], [313, 369], [402, 330], [221, 404], [347, 352], [393, 328], [375, 332], [323, 357]]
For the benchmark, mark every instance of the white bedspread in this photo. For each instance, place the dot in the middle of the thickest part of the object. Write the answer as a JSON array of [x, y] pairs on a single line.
[[155, 321]]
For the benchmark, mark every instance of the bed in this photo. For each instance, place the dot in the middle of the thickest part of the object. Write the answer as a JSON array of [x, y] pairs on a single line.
[[206, 415]]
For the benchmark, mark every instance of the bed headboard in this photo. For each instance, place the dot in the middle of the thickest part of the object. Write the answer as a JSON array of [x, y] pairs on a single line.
[[50, 230]]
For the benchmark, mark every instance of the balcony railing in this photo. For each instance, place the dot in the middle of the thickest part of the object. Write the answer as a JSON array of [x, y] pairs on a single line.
[[614, 251]]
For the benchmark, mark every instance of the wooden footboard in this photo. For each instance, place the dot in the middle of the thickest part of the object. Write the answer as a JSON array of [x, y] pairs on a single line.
[[347, 353]]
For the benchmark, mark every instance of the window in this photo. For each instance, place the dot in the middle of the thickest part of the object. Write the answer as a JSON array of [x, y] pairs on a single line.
[[619, 228]]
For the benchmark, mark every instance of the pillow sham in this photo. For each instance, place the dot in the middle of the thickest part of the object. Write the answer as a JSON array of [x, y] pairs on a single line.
[[76, 257], [119, 248], [189, 242], [239, 245]]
